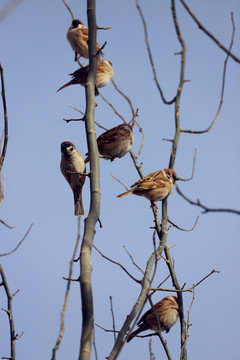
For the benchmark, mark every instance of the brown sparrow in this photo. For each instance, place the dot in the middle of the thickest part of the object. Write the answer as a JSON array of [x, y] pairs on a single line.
[[72, 166], [167, 312], [104, 75], [77, 36], [115, 143], [155, 186]]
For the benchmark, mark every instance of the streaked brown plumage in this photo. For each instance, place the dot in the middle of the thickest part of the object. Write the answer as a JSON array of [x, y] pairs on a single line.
[[72, 166], [77, 36], [104, 75], [167, 312], [155, 186], [115, 143]]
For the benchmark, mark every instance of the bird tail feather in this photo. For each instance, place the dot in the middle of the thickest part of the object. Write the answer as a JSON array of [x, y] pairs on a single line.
[[125, 193]]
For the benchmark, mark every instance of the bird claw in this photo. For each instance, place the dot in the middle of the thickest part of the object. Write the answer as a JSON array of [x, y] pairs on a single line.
[[76, 57], [154, 204]]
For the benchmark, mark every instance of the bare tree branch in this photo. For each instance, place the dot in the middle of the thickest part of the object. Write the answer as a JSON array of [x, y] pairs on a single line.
[[205, 208], [94, 345], [222, 90], [152, 357], [183, 355], [176, 226], [189, 310], [64, 308], [131, 257], [20, 242], [4, 149], [2, 183], [69, 9], [117, 263], [113, 320], [114, 109], [106, 330], [8, 8], [125, 97], [95, 197], [120, 181], [8, 311], [189, 289], [8, 226], [151, 58], [211, 36]]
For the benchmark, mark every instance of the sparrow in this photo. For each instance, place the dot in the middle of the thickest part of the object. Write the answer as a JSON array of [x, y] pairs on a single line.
[[115, 143], [77, 36], [72, 167], [104, 75], [167, 312], [155, 186]]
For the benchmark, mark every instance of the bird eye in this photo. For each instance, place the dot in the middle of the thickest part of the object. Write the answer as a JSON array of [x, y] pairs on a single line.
[[71, 148]]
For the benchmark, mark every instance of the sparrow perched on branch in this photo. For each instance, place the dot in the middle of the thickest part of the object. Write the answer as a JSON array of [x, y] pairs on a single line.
[[77, 36], [155, 186], [72, 167], [167, 312], [115, 143], [104, 75]]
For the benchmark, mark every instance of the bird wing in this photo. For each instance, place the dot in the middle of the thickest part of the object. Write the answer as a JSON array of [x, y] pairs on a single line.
[[107, 137], [80, 72], [143, 318], [150, 182], [85, 34]]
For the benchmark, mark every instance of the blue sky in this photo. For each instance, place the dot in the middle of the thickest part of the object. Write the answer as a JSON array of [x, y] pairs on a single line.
[[37, 59]]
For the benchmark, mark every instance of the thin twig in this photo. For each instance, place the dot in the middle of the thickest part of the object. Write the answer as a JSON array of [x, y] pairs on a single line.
[[64, 308], [104, 27], [8, 226], [2, 183], [117, 263], [125, 97], [113, 319], [70, 120], [138, 167], [5, 142], [189, 289], [211, 36], [193, 168], [120, 181], [9, 313], [78, 110], [83, 118], [114, 109], [69, 9], [158, 287], [189, 310], [143, 139], [179, 228], [20, 242], [222, 89], [152, 357], [151, 58], [205, 277], [106, 330], [94, 345], [8, 8], [131, 257], [205, 208], [101, 48]]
